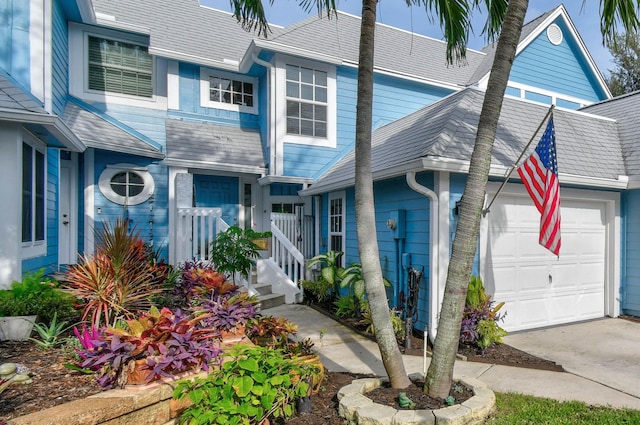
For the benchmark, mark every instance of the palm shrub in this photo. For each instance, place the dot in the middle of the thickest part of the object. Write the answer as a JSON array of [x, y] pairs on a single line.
[[234, 250], [119, 279], [479, 326], [330, 269]]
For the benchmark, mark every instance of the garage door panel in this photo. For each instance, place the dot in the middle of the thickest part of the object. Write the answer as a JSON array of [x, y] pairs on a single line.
[[540, 289]]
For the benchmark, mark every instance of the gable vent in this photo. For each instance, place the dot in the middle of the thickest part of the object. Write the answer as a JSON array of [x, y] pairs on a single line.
[[554, 33]]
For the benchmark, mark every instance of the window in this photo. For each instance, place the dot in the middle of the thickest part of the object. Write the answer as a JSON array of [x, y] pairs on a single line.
[[126, 184], [306, 101], [119, 67], [33, 197], [336, 222], [223, 90]]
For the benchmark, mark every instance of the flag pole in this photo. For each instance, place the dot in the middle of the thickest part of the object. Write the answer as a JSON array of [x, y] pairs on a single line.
[[515, 164]]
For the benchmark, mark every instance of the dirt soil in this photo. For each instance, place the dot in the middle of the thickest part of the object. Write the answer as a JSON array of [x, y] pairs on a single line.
[[54, 384]]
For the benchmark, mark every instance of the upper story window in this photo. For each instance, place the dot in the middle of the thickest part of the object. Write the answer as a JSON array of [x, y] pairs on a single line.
[[33, 198], [223, 90], [306, 101], [306, 95], [119, 67]]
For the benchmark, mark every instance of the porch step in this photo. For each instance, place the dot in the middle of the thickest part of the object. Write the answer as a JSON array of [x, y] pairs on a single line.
[[270, 300], [263, 288]]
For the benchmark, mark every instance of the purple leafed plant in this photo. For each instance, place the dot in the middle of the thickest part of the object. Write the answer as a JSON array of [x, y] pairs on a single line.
[[108, 357], [229, 313]]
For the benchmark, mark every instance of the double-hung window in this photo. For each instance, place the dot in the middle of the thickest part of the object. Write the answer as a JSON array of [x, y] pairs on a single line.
[[336, 222], [119, 67], [306, 101], [224, 90], [33, 199]]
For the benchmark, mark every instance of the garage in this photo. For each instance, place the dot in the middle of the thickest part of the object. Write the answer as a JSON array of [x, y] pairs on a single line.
[[538, 288]]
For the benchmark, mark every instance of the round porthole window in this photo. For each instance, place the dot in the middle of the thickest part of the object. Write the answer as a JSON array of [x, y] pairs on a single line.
[[126, 184], [554, 34]]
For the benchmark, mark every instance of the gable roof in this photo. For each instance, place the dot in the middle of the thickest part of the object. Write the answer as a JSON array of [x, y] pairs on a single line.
[[624, 109], [97, 132], [18, 105], [214, 147], [530, 31], [442, 136]]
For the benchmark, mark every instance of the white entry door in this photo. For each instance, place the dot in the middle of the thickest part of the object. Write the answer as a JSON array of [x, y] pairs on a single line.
[[540, 289], [67, 215]]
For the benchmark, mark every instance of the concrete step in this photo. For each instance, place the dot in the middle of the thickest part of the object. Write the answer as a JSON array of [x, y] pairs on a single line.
[[263, 288], [270, 300]]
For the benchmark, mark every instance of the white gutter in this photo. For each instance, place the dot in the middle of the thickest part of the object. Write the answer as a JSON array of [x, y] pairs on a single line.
[[434, 285]]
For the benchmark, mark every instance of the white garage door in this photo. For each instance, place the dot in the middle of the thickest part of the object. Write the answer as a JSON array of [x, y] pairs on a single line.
[[538, 288]]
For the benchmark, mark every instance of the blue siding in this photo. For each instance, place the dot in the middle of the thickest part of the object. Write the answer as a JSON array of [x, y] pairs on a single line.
[[49, 261], [189, 86], [60, 53], [391, 195], [14, 40], [456, 189], [561, 69], [630, 285], [392, 99], [149, 218]]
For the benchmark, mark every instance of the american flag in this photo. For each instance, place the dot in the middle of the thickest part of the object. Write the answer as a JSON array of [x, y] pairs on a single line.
[[539, 173]]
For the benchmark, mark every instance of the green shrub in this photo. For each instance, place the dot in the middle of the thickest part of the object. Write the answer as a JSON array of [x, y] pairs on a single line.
[[317, 290], [345, 306]]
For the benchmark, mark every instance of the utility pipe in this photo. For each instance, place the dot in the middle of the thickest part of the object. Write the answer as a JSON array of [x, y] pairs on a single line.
[[434, 285]]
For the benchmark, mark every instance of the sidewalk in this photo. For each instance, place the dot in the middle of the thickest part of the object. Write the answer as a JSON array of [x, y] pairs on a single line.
[[343, 350]]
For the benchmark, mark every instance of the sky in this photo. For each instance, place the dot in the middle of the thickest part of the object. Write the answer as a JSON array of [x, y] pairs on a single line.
[[396, 13]]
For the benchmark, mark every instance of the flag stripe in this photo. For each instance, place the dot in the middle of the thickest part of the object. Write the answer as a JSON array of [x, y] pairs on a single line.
[[539, 173]]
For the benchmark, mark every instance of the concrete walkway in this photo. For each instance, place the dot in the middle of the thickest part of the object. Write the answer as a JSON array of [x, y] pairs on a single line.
[[343, 350]]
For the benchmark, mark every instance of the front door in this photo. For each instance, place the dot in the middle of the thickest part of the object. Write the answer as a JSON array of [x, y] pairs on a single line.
[[218, 192], [67, 223]]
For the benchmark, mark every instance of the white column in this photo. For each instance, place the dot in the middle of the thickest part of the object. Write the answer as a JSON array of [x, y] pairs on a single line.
[[11, 213]]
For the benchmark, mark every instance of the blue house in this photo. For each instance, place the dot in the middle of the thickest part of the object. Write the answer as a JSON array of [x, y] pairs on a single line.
[[170, 114]]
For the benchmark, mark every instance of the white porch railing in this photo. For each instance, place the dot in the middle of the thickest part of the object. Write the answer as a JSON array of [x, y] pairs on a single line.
[[298, 229], [195, 230], [286, 255]]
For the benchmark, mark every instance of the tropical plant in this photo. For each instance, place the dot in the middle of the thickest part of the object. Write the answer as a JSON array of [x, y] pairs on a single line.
[[330, 269], [317, 290], [270, 331], [255, 383], [234, 250], [168, 342], [352, 278], [228, 313], [119, 279], [398, 325], [36, 295], [50, 333], [345, 306], [479, 324]]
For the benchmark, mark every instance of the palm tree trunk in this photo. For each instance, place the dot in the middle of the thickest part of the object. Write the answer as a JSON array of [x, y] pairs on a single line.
[[440, 374], [365, 212]]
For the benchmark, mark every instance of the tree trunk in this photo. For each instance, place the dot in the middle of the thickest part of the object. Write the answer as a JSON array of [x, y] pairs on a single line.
[[365, 212], [440, 374]]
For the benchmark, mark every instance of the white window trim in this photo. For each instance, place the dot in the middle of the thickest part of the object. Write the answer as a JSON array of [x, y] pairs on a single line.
[[104, 183], [524, 89], [36, 248], [332, 196], [281, 104], [206, 73], [79, 70]]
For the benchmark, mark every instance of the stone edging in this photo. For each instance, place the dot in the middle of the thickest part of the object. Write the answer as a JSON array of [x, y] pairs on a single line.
[[359, 409]]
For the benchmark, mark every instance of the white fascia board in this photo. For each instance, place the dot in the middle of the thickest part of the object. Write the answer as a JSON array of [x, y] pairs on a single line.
[[206, 165], [267, 180], [197, 60], [294, 51], [86, 11], [634, 182], [52, 123], [410, 77], [111, 22]]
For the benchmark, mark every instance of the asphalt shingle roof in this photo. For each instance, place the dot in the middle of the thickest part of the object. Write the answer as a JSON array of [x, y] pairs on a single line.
[[213, 145], [96, 132], [587, 145], [624, 109], [13, 98]]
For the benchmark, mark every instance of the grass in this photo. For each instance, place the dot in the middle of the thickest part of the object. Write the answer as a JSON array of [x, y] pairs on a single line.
[[521, 409]]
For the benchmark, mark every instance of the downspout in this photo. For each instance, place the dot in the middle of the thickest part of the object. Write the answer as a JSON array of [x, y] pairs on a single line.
[[434, 285], [272, 84]]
